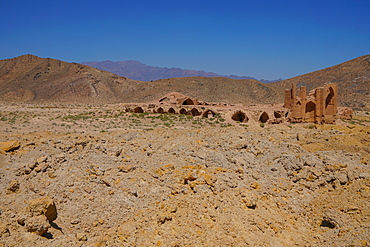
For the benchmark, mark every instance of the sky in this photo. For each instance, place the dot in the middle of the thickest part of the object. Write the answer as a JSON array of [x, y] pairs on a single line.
[[265, 39]]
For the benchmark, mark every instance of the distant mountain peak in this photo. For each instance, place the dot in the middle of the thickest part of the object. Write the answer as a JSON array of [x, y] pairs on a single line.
[[138, 71]]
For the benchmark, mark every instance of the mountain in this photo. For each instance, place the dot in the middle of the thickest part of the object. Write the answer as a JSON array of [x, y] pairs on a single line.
[[33, 79], [30, 78], [139, 71]]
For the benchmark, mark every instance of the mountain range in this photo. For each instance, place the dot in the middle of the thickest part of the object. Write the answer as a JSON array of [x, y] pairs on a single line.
[[29, 78], [142, 72]]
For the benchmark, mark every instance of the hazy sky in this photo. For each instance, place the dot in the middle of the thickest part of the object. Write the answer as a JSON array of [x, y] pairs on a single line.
[[264, 39]]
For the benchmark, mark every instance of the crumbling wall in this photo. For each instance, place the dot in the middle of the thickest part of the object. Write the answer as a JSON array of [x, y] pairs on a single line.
[[319, 106]]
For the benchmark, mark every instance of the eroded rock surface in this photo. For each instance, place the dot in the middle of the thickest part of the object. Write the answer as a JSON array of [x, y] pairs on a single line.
[[232, 186]]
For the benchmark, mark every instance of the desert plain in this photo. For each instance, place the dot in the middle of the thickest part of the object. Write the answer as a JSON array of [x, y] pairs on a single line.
[[95, 175]]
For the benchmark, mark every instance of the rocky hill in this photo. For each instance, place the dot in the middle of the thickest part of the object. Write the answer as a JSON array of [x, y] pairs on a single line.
[[142, 72], [30, 78], [33, 79]]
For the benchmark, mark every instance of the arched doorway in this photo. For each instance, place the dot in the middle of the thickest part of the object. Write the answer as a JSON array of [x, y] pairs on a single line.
[[240, 116], [171, 110], [277, 114], [195, 112], [329, 98], [330, 109], [264, 117], [310, 112], [138, 110], [208, 114], [183, 111], [188, 101], [160, 110]]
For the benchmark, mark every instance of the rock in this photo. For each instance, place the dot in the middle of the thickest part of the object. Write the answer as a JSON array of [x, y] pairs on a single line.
[[43, 206], [363, 175], [42, 159], [75, 221], [38, 224], [290, 163], [126, 168], [334, 219], [9, 146], [27, 170], [32, 165], [249, 199], [36, 217], [13, 187], [201, 188], [163, 218], [4, 231], [335, 167], [60, 158], [81, 237], [342, 177], [41, 167]]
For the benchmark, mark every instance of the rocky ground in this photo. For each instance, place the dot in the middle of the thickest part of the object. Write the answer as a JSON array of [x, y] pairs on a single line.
[[97, 176]]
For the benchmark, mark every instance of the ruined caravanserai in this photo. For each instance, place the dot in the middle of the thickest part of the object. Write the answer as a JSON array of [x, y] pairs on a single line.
[[319, 106]]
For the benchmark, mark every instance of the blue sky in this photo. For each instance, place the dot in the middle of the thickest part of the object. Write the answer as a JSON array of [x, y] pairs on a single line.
[[264, 39]]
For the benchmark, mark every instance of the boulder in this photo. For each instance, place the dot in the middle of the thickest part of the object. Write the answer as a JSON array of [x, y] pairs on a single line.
[[43, 206], [38, 224], [9, 146], [13, 187], [36, 217]]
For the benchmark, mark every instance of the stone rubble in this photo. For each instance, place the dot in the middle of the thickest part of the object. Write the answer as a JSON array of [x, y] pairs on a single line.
[[200, 187]]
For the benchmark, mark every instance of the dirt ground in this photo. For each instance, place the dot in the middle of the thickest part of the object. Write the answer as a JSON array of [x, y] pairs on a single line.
[[94, 175]]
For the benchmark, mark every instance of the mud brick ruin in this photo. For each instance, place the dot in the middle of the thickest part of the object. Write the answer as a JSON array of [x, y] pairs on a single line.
[[320, 106]]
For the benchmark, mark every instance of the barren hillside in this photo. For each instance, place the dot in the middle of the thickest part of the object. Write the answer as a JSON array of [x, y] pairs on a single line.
[[217, 89], [30, 78], [33, 79]]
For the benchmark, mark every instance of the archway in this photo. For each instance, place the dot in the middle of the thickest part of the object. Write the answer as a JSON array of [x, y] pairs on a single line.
[[264, 117], [208, 114], [195, 112], [160, 110], [277, 114], [188, 101], [171, 110], [240, 116], [138, 110], [183, 111], [310, 112], [329, 98]]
